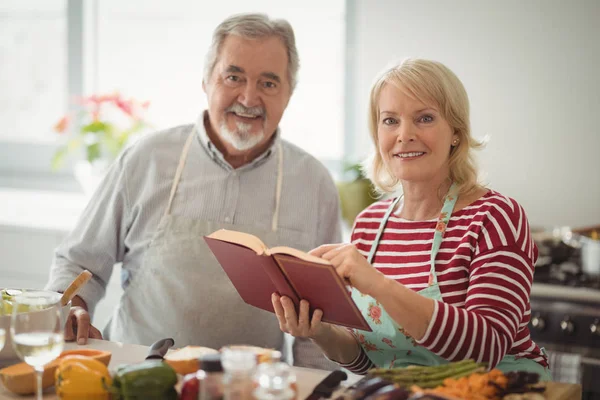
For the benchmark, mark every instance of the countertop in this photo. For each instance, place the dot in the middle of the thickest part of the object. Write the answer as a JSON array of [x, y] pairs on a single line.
[[307, 378]]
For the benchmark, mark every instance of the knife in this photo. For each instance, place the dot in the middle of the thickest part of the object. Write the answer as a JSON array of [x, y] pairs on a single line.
[[159, 349], [327, 386]]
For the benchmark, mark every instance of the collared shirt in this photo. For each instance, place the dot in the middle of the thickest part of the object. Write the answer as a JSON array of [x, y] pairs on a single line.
[[122, 216]]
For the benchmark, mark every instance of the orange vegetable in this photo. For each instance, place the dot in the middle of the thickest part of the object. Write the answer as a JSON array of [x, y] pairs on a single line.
[[20, 378], [473, 387]]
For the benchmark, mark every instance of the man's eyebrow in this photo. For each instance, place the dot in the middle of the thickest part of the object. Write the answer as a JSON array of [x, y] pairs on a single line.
[[271, 75], [234, 68]]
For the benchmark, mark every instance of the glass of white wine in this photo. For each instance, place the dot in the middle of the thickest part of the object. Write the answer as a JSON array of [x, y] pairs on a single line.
[[2, 330], [36, 330]]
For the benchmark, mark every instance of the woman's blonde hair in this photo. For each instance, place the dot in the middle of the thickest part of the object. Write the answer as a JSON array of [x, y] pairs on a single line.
[[434, 84]]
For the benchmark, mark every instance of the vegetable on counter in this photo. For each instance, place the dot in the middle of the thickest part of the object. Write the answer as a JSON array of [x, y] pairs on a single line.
[[150, 379], [20, 378], [79, 377], [427, 377]]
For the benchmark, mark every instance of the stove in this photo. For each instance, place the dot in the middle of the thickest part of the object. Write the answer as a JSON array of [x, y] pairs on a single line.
[[565, 316]]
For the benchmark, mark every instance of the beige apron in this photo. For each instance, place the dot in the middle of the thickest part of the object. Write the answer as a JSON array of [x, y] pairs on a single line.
[[180, 291]]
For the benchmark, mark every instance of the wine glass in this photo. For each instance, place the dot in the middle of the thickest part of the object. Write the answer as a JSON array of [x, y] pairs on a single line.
[[36, 330], [2, 330]]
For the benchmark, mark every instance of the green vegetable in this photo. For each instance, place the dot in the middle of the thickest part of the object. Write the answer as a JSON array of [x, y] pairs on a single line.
[[151, 379], [428, 377]]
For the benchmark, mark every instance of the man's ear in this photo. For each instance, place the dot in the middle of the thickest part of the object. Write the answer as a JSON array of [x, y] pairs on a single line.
[[203, 86]]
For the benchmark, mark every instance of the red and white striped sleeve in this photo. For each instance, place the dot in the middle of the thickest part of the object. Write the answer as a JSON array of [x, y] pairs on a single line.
[[360, 365], [500, 278]]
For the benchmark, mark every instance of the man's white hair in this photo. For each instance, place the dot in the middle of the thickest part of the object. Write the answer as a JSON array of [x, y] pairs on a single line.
[[254, 26]]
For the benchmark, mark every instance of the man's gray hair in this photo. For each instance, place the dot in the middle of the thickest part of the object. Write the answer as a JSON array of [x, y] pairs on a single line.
[[254, 26]]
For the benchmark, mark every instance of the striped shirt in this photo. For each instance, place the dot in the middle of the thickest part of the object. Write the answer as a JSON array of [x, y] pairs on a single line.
[[484, 268]]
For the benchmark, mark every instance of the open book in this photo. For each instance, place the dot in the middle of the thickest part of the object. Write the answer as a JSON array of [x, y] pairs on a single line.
[[257, 272]]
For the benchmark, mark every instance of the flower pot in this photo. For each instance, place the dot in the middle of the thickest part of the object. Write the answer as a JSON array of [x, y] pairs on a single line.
[[355, 196], [89, 175]]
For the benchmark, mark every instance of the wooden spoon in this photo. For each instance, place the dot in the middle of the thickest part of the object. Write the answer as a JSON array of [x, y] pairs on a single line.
[[74, 287]]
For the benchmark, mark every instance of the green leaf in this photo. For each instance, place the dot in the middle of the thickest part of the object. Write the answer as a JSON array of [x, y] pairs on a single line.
[[93, 152], [95, 127], [112, 144], [58, 160]]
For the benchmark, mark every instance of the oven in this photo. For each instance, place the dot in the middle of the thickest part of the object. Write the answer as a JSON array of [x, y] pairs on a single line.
[[565, 316]]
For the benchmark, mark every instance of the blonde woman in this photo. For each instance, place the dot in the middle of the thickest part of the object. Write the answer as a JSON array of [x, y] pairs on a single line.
[[444, 271]]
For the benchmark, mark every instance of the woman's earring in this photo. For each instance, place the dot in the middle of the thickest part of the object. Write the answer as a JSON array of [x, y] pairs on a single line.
[[455, 142]]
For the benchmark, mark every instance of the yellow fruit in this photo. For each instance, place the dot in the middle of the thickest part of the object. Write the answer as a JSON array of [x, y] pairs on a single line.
[[82, 377]]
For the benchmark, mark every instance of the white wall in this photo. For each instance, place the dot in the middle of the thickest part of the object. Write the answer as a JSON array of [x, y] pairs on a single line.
[[531, 71]]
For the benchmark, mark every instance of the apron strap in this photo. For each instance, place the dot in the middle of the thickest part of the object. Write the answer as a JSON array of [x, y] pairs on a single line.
[[381, 228], [440, 229], [180, 167], [279, 185]]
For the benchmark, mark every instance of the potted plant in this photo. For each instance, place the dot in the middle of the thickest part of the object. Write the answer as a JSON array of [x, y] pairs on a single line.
[[97, 130], [356, 194]]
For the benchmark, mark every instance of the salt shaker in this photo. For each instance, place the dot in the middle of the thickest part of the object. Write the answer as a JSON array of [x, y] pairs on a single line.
[[274, 381], [239, 366], [210, 377]]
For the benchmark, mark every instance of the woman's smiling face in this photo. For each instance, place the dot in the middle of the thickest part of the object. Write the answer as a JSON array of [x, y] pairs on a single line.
[[414, 138]]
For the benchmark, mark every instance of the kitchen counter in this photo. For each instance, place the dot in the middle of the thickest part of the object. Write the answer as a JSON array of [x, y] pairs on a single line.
[[555, 292], [307, 378]]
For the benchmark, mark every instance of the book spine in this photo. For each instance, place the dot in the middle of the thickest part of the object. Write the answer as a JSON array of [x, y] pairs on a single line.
[[284, 288]]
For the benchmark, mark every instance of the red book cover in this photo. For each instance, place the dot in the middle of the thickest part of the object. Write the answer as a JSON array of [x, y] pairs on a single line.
[[257, 272]]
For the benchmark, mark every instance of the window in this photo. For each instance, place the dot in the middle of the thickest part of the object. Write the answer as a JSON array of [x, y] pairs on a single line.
[[33, 68], [150, 50]]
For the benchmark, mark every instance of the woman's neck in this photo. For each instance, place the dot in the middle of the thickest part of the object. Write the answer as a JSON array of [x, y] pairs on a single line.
[[423, 201]]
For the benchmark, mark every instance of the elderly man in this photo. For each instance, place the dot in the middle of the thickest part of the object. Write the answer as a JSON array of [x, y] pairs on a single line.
[[229, 170]]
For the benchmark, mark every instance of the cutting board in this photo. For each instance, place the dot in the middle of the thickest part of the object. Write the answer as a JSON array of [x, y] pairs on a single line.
[[562, 391]]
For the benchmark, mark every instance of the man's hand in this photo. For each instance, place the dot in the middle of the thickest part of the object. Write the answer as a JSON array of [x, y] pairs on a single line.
[[79, 325]]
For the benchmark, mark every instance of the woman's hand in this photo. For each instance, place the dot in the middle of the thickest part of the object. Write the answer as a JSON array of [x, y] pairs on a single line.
[[351, 266], [297, 324]]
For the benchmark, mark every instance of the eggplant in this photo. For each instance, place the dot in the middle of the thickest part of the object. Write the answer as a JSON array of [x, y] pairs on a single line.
[[389, 392], [368, 387]]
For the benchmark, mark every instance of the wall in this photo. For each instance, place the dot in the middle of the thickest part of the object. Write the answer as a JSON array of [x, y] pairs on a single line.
[[530, 69]]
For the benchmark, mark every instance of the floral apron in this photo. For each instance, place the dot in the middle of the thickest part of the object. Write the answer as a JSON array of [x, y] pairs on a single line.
[[387, 345]]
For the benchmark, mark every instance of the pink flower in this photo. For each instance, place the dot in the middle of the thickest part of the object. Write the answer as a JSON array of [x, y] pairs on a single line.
[[388, 342], [375, 313], [62, 125], [441, 226]]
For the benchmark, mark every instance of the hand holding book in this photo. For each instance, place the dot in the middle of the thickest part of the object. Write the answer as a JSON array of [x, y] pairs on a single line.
[[351, 266]]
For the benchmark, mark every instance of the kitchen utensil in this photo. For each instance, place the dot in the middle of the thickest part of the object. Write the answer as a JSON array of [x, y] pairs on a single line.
[[159, 349], [75, 286], [327, 386]]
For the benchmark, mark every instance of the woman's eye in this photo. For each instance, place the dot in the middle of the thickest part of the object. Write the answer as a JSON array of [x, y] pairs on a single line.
[[389, 121], [426, 118]]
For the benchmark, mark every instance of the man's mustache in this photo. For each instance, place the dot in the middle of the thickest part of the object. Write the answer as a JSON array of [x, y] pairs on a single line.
[[240, 109]]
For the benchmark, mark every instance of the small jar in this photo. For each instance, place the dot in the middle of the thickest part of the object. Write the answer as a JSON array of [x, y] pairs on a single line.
[[275, 381], [238, 366], [210, 377]]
